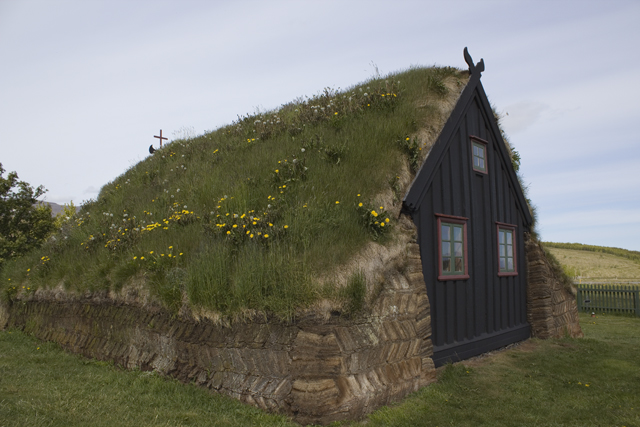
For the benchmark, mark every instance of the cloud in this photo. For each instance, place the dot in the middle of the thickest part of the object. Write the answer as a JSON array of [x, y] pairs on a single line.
[[91, 190], [521, 115]]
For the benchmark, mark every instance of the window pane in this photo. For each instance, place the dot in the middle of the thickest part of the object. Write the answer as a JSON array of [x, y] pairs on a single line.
[[458, 264], [510, 250], [481, 163], [457, 249], [480, 151], [502, 263], [457, 234], [501, 237], [446, 235], [475, 150], [446, 264], [446, 249], [476, 162], [509, 264], [502, 250]]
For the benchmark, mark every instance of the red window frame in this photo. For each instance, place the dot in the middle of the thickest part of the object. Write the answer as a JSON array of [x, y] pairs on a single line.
[[512, 228], [476, 140], [465, 253]]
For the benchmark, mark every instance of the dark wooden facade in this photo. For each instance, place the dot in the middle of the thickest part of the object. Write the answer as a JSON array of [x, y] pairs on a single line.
[[481, 308]]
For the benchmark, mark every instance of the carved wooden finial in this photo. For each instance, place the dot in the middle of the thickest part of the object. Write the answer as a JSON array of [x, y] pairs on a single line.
[[479, 67]]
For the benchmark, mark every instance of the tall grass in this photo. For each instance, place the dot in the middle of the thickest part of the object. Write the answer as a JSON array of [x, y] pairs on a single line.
[[243, 218]]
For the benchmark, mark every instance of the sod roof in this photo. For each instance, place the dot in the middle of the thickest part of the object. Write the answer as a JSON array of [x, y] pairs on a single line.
[[272, 213]]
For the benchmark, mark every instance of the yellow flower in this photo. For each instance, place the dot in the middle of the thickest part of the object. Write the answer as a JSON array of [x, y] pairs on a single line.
[[135, 257], [336, 113], [251, 235], [235, 225], [358, 195], [286, 226], [151, 252], [228, 232], [276, 170], [180, 253], [266, 236], [407, 138], [170, 247], [374, 213], [386, 220], [360, 204], [382, 224], [337, 202], [141, 258]]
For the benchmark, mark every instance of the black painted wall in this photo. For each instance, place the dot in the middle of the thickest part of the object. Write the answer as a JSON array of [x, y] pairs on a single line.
[[485, 311]]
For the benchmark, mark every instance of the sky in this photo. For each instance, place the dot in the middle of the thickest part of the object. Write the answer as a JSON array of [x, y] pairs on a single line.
[[86, 84]]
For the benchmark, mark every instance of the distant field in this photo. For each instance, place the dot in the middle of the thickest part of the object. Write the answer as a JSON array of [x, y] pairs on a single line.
[[596, 266]]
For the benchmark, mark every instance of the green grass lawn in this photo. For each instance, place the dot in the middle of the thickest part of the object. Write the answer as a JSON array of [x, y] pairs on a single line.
[[594, 381]]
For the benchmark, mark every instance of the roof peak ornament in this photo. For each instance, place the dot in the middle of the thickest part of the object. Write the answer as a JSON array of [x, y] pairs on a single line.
[[479, 67]]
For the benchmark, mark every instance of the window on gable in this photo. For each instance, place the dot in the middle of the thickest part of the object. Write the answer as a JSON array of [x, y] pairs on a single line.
[[479, 154], [507, 250], [452, 249]]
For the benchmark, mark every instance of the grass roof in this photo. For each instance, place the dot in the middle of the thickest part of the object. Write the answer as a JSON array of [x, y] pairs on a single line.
[[256, 215]]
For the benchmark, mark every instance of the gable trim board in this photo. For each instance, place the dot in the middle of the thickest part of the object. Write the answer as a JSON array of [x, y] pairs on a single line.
[[483, 309]]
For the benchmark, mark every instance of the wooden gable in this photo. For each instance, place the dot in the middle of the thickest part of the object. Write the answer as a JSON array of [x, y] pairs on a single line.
[[482, 306]]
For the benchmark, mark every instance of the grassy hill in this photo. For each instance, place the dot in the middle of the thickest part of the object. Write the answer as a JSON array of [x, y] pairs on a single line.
[[596, 263], [255, 215]]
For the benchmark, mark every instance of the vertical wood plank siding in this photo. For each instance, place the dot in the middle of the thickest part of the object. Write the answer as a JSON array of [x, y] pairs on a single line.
[[485, 311]]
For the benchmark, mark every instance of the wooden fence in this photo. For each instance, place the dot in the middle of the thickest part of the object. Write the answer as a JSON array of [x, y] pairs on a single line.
[[609, 298]]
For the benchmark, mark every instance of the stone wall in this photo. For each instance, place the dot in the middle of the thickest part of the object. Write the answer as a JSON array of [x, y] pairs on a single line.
[[315, 369], [551, 307]]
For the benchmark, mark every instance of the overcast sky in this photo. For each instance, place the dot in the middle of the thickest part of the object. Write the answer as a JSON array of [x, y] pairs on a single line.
[[85, 85]]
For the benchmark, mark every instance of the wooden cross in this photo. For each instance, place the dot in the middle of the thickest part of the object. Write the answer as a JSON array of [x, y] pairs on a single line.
[[160, 138]]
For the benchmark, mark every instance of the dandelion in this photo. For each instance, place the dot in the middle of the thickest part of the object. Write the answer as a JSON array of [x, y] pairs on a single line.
[[286, 226], [151, 253], [228, 232], [135, 257], [235, 225], [337, 202], [180, 253], [386, 220], [374, 213], [360, 204], [141, 258], [266, 236], [277, 169], [251, 236]]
